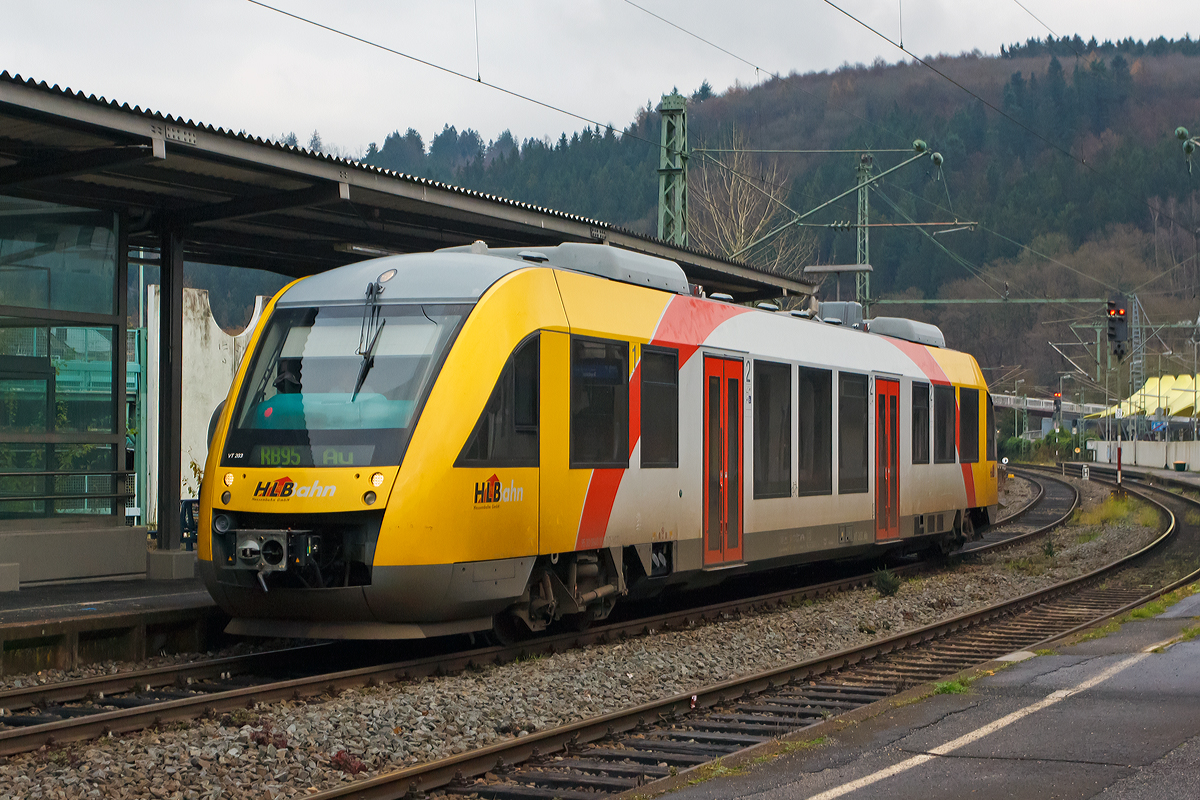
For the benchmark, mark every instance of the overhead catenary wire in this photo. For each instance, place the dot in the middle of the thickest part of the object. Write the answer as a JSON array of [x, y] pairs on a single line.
[[477, 80], [448, 70], [1057, 148], [1010, 240], [1047, 27], [801, 152], [975, 271], [758, 68]]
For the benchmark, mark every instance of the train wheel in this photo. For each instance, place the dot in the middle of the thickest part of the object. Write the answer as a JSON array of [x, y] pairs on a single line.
[[507, 630], [968, 527]]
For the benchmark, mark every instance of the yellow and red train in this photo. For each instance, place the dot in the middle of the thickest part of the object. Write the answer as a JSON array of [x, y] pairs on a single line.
[[508, 437]]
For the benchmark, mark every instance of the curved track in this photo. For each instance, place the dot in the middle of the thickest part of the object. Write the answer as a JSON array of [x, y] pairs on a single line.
[[636, 750], [124, 702], [1054, 503]]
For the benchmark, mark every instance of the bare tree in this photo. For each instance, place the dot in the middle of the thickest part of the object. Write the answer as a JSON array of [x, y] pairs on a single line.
[[737, 197]]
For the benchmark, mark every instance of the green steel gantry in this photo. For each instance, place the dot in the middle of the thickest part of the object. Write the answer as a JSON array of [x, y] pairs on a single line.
[[672, 171], [862, 280]]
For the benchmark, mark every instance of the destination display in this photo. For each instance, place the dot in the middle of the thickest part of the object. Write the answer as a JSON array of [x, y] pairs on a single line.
[[287, 455]]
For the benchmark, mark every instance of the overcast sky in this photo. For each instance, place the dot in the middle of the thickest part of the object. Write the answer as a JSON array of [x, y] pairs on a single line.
[[238, 65]]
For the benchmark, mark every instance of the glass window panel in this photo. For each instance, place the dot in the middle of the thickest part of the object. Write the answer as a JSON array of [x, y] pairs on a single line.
[[920, 423], [599, 403], [944, 424], [310, 387], [22, 405], [815, 412], [660, 408], [83, 462], [991, 429], [968, 425], [83, 390], [852, 434], [714, 463], [733, 454], [772, 429], [57, 257], [507, 432], [22, 457], [85, 483]]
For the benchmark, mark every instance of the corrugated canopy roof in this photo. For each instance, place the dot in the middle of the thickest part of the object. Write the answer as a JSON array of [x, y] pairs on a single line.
[[246, 201]]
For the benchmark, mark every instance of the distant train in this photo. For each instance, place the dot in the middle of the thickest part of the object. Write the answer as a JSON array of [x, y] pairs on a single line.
[[506, 438]]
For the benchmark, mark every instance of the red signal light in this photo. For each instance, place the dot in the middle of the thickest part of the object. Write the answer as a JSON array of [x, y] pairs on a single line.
[[1058, 394]]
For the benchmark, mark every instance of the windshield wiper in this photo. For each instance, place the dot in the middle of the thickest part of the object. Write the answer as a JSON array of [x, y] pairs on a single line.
[[368, 360]]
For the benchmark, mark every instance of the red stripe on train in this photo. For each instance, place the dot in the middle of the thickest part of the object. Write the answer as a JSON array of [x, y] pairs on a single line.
[[686, 323]]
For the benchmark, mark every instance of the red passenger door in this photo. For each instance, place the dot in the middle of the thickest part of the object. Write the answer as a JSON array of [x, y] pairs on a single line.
[[722, 460], [887, 459]]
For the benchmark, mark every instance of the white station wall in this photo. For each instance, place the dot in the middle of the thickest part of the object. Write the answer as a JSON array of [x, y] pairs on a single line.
[[210, 362]]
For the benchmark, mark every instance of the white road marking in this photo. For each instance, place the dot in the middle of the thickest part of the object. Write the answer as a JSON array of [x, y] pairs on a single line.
[[979, 733]]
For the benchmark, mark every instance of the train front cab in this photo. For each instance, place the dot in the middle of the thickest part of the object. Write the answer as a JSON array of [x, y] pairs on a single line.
[[420, 566]]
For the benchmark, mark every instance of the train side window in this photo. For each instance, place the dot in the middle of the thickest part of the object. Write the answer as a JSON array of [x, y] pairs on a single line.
[[772, 429], [506, 434], [968, 425], [920, 423], [944, 424], [991, 429], [814, 411], [852, 434], [599, 403], [660, 407]]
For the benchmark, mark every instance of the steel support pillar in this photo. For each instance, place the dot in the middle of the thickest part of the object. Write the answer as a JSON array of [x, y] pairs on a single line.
[[170, 391], [672, 171], [862, 280]]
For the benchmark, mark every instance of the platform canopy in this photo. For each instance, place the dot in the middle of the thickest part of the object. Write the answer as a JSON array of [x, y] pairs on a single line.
[[238, 200], [1166, 395]]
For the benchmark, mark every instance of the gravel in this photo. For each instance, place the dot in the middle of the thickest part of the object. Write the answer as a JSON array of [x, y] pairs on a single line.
[[96, 669], [1015, 493], [284, 749]]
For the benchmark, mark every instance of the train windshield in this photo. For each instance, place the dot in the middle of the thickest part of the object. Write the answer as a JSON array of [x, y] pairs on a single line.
[[327, 387]]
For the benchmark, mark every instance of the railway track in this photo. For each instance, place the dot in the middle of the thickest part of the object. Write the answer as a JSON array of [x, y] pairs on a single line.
[[75, 710], [1052, 505], [646, 749]]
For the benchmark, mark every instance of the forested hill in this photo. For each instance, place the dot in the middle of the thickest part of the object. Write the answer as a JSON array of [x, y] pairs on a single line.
[[1084, 170]]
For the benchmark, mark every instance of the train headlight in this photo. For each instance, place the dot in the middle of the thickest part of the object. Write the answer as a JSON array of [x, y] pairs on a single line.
[[369, 498], [249, 551], [229, 479], [222, 523], [377, 480]]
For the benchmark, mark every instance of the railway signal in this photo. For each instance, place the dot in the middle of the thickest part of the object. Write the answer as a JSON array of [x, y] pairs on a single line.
[[1118, 324]]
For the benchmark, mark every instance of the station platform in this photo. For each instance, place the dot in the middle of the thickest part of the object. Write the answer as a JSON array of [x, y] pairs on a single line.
[[1116, 715], [62, 626]]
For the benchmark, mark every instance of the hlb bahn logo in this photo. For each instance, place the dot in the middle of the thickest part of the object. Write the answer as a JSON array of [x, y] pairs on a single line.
[[283, 488], [493, 492]]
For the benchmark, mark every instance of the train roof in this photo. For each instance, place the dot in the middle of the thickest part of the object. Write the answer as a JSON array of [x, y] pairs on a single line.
[[463, 274]]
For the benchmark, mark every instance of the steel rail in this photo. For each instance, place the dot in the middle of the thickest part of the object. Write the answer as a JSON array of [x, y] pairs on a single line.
[[45, 694], [124, 720], [167, 708], [453, 771], [1041, 491], [1012, 519]]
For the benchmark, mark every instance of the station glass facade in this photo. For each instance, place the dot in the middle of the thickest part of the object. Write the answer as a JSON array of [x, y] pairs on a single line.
[[62, 364]]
